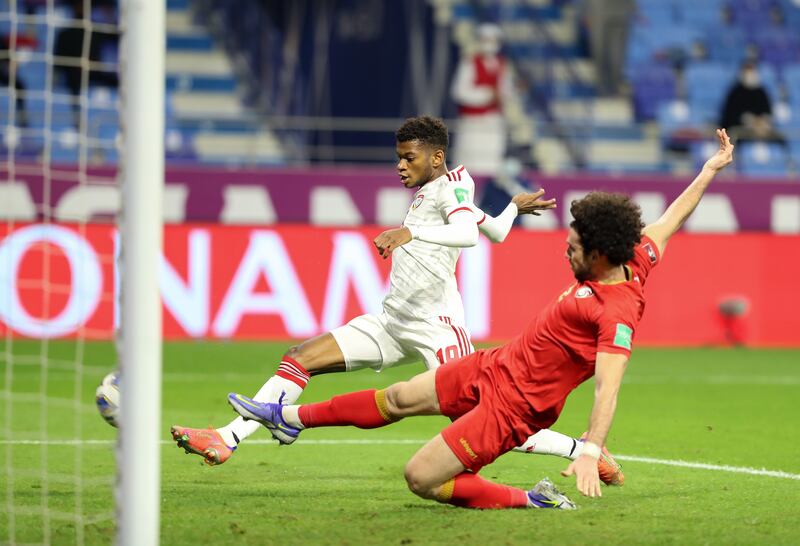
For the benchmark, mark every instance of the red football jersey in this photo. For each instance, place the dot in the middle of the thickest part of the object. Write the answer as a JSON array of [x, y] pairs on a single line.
[[557, 351]]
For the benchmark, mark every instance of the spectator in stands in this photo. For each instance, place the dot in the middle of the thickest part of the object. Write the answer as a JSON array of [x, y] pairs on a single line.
[[747, 111], [69, 46], [608, 22], [482, 84]]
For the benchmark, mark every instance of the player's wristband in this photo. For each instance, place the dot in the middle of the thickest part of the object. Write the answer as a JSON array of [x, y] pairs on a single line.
[[591, 449]]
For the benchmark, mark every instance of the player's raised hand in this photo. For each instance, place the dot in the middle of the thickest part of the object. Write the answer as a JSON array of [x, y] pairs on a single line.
[[587, 477], [530, 203], [724, 156], [390, 239]]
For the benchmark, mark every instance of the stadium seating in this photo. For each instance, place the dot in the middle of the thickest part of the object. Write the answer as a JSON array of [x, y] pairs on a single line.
[[682, 56], [202, 95], [653, 84], [763, 159], [730, 31]]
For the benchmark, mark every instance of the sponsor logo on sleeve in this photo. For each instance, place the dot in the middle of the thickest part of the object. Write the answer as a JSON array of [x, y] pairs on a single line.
[[461, 194], [566, 292], [651, 253], [623, 336]]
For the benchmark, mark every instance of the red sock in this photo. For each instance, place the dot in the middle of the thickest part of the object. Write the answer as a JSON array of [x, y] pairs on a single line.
[[471, 491], [362, 409], [293, 371]]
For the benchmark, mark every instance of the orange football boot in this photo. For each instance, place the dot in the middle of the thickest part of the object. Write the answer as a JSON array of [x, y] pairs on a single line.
[[204, 442]]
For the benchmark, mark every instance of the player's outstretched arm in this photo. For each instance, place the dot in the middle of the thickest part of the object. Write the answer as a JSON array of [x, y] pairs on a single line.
[[680, 209], [609, 369], [496, 228]]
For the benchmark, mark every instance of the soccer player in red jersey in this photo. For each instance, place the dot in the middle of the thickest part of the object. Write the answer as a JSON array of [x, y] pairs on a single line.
[[498, 397]]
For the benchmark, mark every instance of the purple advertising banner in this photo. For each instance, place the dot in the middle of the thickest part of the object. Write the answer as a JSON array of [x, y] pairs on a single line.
[[370, 195]]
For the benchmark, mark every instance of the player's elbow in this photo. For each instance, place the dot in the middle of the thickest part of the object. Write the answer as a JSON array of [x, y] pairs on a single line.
[[496, 238]]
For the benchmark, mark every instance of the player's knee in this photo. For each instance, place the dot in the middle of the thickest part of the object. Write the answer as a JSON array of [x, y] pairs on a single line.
[[293, 352], [416, 481], [305, 355]]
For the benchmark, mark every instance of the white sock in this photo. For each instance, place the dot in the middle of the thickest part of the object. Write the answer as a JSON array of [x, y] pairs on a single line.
[[291, 415], [550, 442], [284, 387]]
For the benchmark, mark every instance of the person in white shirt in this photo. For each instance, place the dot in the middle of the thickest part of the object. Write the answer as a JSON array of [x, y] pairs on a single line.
[[423, 316], [481, 86]]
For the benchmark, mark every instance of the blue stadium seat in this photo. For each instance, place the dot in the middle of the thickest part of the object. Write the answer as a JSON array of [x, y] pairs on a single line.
[[770, 81], [751, 13], [676, 120], [795, 154], [639, 47], [700, 151], [653, 84], [65, 145], [787, 117], [59, 112], [763, 159], [4, 105], [777, 46], [26, 146], [791, 80], [727, 46], [659, 43], [33, 74], [106, 144], [179, 144], [649, 12], [706, 86], [704, 13], [791, 11]]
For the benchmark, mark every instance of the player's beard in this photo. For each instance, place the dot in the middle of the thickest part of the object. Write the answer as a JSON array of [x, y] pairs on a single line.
[[582, 272]]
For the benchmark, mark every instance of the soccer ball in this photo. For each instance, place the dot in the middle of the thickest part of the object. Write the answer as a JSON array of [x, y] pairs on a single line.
[[107, 398]]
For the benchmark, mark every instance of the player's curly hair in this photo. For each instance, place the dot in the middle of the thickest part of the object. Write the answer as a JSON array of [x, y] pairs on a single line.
[[428, 130], [610, 223]]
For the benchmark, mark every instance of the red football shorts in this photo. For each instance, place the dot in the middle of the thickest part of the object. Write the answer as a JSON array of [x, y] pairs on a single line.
[[488, 419]]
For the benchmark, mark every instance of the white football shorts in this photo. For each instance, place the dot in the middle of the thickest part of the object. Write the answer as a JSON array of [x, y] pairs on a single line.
[[382, 341]]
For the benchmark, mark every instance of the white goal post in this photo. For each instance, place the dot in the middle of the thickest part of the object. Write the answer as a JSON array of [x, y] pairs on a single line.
[[141, 177]]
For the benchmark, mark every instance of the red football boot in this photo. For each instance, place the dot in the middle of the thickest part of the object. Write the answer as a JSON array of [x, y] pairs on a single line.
[[204, 442]]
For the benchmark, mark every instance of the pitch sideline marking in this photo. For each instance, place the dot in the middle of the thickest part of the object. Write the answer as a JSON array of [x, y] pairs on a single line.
[[630, 458], [706, 466]]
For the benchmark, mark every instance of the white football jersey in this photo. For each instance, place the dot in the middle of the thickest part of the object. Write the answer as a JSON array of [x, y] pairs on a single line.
[[423, 282]]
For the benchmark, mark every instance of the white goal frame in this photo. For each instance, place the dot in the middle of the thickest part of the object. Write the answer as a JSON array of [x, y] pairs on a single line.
[[141, 177]]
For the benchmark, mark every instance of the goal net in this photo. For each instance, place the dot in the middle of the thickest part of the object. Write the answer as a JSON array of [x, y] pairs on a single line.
[[63, 135]]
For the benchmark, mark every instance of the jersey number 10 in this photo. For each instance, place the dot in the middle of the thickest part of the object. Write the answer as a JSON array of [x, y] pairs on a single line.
[[447, 354]]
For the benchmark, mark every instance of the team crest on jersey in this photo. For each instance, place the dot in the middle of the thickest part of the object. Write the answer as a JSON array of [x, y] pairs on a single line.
[[650, 253], [417, 202], [584, 292]]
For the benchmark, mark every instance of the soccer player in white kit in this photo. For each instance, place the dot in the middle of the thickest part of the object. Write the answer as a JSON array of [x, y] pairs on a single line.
[[423, 315]]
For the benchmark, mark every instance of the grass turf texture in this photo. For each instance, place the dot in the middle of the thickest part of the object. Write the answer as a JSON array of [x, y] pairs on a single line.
[[732, 407]]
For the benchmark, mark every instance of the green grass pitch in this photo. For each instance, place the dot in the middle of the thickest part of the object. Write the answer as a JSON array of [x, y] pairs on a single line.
[[735, 407]]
